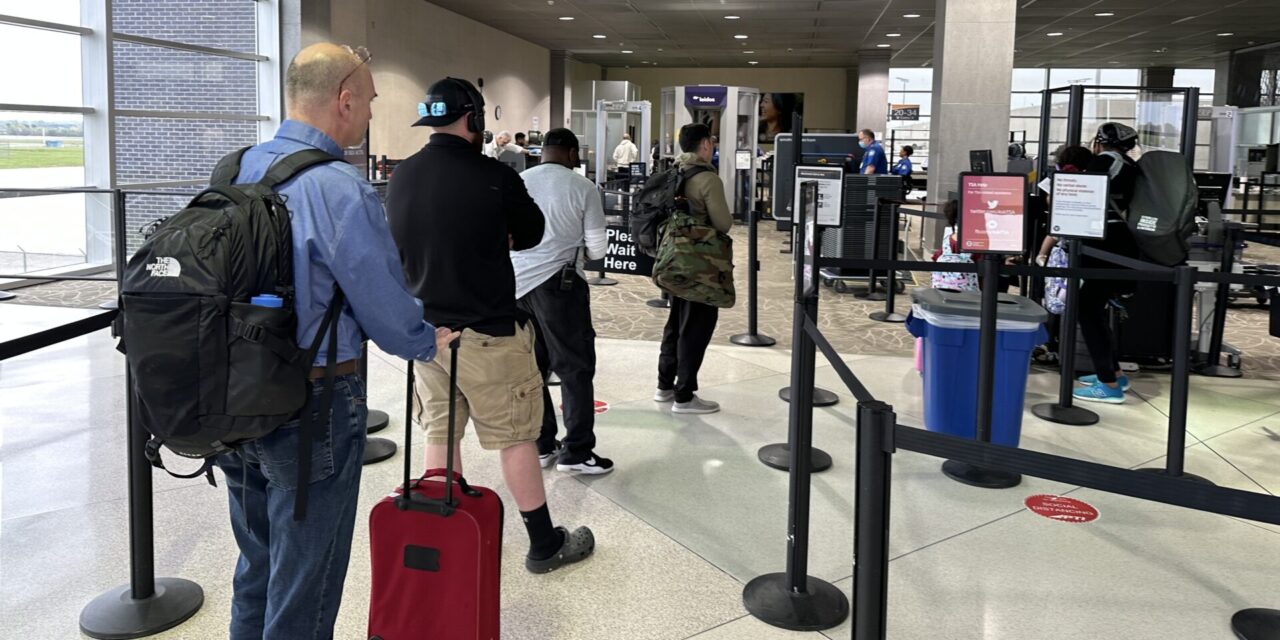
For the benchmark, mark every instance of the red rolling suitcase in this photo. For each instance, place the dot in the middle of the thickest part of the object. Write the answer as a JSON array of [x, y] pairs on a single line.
[[436, 555]]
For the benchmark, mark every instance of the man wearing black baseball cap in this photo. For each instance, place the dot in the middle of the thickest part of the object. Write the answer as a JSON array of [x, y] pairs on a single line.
[[455, 214], [551, 287]]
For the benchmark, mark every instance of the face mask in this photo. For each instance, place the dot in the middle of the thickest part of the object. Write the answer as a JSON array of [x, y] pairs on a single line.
[[862, 144]]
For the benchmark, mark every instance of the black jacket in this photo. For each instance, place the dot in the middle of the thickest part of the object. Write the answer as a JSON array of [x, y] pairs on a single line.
[[451, 210]]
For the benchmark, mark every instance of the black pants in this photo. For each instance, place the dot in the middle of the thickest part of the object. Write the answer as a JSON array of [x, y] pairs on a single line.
[[566, 345], [684, 344], [1095, 326]]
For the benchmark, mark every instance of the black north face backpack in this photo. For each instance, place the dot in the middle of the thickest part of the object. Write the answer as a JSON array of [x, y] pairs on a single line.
[[210, 370], [657, 199]]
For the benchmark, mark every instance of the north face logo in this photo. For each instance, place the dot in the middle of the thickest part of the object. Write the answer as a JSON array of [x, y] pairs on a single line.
[[165, 268]]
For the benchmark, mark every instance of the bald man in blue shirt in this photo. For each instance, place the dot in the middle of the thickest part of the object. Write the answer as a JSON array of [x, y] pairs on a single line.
[[873, 160]]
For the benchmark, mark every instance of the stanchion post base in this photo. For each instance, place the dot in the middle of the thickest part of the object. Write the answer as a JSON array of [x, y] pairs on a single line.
[[821, 397], [778, 456], [1185, 476], [6, 295], [966, 473], [770, 599], [659, 303], [378, 449], [753, 340], [601, 282], [105, 305], [1256, 624], [116, 615], [872, 296], [378, 420], [1073, 415], [1217, 371], [881, 316]]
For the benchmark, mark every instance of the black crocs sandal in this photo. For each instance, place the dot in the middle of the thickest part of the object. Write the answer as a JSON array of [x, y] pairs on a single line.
[[577, 547]]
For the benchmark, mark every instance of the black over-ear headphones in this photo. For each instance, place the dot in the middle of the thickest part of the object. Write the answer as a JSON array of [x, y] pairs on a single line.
[[475, 120]]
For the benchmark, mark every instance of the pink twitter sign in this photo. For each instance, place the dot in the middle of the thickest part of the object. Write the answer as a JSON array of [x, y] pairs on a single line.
[[992, 212]]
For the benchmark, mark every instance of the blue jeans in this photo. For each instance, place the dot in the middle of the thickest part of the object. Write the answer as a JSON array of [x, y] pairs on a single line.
[[288, 581]]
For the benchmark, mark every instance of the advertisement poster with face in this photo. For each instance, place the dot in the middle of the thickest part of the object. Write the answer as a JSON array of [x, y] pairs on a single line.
[[992, 213], [776, 110]]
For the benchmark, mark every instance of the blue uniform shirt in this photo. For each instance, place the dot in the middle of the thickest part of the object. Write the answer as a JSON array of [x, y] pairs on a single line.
[[340, 235], [874, 157], [903, 168]]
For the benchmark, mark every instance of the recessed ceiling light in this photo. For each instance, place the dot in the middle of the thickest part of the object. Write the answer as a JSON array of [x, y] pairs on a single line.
[[661, 50], [741, 36], [748, 51], [1114, 62], [752, 62], [1104, 14], [566, 18], [627, 51], [893, 35], [732, 17], [1223, 35], [599, 36], [1054, 34], [911, 15], [882, 46]]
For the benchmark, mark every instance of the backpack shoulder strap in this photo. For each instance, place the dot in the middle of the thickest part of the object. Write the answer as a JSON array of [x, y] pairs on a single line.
[[293, 164], [228, 168]]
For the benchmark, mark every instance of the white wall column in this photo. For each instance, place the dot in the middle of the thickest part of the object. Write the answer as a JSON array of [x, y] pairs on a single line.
[[873, 91]]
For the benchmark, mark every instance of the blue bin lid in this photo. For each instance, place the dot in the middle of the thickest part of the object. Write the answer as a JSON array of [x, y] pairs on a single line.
[[968, 304]]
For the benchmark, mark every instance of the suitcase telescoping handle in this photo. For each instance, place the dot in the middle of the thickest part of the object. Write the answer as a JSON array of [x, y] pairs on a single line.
[[407, 499]]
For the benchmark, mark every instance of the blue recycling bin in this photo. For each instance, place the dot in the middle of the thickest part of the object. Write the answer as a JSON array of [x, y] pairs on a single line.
[[947, 321]]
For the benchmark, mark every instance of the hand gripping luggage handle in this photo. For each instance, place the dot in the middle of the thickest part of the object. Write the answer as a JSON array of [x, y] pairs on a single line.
[[407, 499]]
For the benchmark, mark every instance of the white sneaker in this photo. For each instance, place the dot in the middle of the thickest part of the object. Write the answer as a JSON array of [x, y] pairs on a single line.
[[664, 395], [545, 460], [696, 406]]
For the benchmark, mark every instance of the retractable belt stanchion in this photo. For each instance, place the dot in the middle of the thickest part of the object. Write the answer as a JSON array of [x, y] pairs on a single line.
[[147, 605], [891, 288], [794, 600], [1211, 366], [876, 422], [872, 293], [375, 449], [1064, 411], [989, 270], [752, 338], [1184, 280], [661, 302], [1256, 624]]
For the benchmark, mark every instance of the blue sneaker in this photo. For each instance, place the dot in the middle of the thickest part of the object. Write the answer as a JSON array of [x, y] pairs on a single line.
[[1093, 379], [1099, 392]]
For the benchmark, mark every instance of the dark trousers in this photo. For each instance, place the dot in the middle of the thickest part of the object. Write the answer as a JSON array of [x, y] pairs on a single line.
[[565, 344], [684, 344], [1095, 326]]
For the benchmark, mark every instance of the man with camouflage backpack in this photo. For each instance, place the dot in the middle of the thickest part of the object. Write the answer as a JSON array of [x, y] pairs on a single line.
[[695, 265]]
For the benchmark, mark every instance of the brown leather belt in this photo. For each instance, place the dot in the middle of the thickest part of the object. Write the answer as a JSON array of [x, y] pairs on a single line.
[[343, 369]]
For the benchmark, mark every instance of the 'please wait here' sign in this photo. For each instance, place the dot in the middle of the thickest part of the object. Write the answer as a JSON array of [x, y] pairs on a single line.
[[622, 256]]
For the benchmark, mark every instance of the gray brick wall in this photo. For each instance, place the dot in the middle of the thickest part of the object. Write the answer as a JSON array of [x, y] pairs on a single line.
[[159, 79]]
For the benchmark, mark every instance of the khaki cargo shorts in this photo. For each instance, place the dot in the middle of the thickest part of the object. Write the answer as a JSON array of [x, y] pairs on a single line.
[[499, 390]]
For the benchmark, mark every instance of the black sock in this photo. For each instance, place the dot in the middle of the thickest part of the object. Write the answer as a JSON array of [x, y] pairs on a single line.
[[544, 540]]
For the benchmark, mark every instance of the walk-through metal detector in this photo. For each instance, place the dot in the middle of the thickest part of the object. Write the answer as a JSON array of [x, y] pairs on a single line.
[[733, 113], [1165, 118], [607, 137]]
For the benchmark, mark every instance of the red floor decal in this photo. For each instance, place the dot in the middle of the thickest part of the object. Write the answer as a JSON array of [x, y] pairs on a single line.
[[1062, 509], [601, 407]]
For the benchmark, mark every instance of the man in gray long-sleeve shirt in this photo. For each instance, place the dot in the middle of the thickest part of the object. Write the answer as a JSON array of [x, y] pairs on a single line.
[[551, 287]]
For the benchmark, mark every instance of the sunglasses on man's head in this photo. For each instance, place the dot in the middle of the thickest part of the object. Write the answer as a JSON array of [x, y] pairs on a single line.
[[363, 55]]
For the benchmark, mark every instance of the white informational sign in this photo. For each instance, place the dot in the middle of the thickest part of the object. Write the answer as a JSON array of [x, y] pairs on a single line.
[[1079, 205], [743, 160], [830, 193], [536, 121]]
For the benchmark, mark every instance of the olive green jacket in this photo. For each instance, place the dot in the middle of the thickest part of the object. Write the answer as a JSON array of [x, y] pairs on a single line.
[[706, 193]]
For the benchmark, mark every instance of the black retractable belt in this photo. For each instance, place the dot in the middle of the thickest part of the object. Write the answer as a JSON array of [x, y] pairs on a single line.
[[306, 429]]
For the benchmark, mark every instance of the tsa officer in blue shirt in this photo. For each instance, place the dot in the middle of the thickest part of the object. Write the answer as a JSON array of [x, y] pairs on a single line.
[[873, 160], [903, 167]]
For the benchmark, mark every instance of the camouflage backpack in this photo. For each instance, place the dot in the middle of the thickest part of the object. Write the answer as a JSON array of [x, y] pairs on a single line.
[[694, 261]]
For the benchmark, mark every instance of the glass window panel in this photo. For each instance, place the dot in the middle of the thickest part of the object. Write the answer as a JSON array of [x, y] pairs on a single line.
[[1029, 79], [1024, 104], [54, 81], [1121, 77], [59, 11], [224, 24], [42, 232], [40, 150], [1202, 78], [915, 78], [1255, 128], [143, 210], [156, 78], [1065, 77], [170, 149]]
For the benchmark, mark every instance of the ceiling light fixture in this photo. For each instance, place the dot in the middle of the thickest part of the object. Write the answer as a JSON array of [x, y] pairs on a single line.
[[911, 15], [599, 36], [882, 46], [1054, 34], [1223, 35], [741, 36], [752, 62], [1104, 14], [732, 17], [748, 51], [627, 51], [566, 18], [893, 35]]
